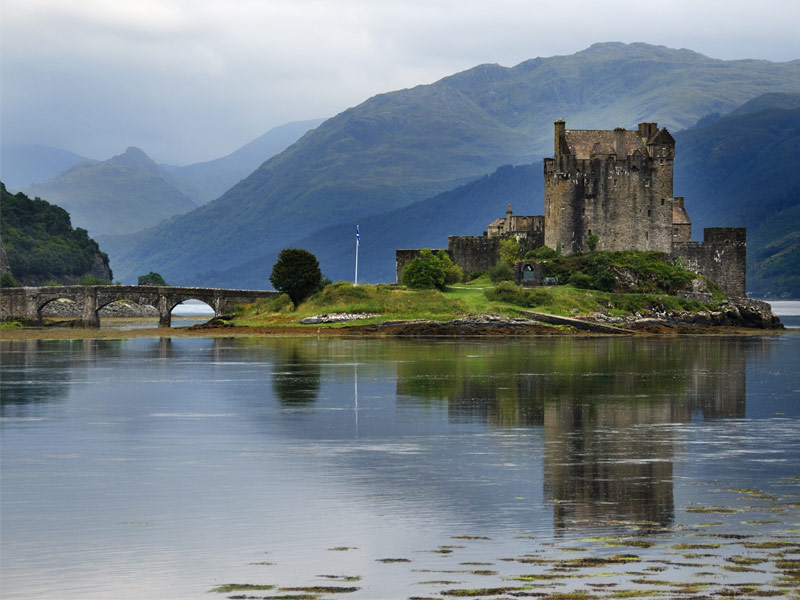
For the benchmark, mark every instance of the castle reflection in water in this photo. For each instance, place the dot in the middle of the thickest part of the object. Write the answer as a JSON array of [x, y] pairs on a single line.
[[608, 411]]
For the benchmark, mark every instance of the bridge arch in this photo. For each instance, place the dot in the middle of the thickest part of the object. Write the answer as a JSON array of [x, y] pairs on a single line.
[[27, 302], [201, 308]]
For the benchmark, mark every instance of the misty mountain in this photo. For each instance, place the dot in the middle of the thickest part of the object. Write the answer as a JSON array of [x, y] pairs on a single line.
[[740, 171], [401, 147], [25, 164], [204, 181], [123, 194], [466, 210]]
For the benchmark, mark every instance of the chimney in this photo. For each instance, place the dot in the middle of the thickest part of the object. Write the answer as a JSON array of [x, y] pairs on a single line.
[[560, 137], [646, 130], [619, 143], [678, 201]]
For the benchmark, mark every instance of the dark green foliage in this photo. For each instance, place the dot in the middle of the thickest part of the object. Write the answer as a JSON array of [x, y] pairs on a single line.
[[92, 280], [152, 278], [474, 275], [40, 242], [431, 270], [579, 279], [647, 272], [591, 241], [7, 280], [501, 272], [506, 291], [541, 253], [296, 273]]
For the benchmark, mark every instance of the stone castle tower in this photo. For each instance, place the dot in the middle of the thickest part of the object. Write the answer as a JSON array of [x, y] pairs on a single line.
[[615, 184]]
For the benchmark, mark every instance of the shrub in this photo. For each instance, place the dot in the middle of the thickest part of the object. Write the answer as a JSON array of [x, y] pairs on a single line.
[[505, 291], [475, 274], [296, 273], [431, 270], [276, 303], [541, 253], [152, 278], [509, 251], [7, 280], [605, 281], [579, 279], [92, 280], [501, 272], [591, 241]]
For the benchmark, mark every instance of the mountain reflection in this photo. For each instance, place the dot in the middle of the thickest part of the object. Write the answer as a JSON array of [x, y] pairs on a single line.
[[604, 406]]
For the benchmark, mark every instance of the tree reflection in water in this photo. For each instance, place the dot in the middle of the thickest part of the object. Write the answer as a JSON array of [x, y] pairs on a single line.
[[296, 378]]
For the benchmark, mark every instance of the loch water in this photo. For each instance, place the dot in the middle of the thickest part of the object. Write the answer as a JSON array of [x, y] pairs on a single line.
[[167, 467]]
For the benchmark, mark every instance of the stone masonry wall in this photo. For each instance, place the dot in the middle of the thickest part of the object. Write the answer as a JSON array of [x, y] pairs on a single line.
[[473, 253], [722, 257]]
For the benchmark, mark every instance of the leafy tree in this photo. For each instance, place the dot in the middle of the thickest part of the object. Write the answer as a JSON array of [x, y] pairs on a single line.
[[40, 242], [510, 251], [431, 270], [591, 241], [7, 280], [296, 273], [152, 278]]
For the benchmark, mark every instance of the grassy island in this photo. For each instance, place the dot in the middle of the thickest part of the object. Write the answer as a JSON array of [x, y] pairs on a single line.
[[609, 287]]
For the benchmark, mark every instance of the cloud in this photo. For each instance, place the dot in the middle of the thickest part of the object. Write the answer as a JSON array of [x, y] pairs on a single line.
[[192, 80]]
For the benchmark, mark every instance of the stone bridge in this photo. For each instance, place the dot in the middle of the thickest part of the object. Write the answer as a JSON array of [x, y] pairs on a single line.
[[26, 303]]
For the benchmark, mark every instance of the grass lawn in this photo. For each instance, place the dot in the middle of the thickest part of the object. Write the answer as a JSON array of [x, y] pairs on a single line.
[[391, 302]]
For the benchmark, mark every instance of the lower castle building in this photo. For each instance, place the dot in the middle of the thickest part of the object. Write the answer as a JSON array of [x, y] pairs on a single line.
[[613, 190]]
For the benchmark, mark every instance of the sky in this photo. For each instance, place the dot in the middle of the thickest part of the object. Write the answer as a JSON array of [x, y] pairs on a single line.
[[193, 80]]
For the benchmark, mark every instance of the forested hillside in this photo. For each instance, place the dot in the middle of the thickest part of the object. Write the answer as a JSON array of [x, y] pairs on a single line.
[[404, 146], [41, 244]]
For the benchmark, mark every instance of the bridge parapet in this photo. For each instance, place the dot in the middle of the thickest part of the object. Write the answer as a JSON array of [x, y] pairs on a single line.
[[27, 302]]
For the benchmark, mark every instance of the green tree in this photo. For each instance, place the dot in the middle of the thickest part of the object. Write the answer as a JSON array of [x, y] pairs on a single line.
[[431, 270], [591, 241], [152, 278], [7, 280], [296, 273], [510, 251]]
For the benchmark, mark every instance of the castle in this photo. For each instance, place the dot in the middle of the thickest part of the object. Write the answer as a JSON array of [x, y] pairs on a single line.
[[613, 188]]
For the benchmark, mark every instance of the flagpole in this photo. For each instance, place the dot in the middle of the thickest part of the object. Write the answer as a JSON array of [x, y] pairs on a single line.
[[358, 243]]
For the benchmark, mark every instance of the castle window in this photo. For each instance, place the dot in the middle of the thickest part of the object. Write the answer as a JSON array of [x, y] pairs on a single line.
[[648, 212], [662, 202], [647, 235]]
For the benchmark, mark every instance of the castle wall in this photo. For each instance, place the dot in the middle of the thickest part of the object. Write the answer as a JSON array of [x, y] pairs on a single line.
[[473, 253], [622, 192], [627, 203], [722, 257]]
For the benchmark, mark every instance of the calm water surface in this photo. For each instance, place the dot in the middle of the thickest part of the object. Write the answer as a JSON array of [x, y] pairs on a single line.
[[165, 467]]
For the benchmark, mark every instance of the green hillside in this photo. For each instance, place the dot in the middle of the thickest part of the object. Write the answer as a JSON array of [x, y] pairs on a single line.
[[405, 146], [41, 244], [126, 193]]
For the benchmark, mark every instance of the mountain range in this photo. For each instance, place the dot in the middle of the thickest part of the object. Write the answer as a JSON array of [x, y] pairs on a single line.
[[126, 193], [130, 192], [410, 145]]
